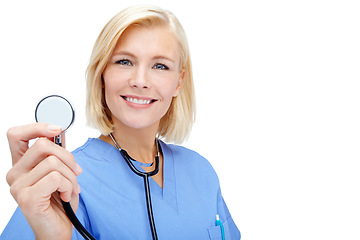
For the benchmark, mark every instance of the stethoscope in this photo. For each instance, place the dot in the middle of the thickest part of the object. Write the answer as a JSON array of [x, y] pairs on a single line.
[[57, 110], [145, 176]]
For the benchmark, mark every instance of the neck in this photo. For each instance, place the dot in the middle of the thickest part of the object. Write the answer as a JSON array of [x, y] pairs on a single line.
[[140, 144]]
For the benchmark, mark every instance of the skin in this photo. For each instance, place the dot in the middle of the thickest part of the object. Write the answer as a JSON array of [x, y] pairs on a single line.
[[145, 65], [40, 177]]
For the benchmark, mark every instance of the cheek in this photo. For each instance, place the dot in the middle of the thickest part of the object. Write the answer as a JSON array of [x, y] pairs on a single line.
[[114, 82], [167, 86], [167, 93], [112, 79]]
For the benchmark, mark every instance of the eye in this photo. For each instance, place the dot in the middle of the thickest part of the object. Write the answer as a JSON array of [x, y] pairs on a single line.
[[161, 66], [124, 62]]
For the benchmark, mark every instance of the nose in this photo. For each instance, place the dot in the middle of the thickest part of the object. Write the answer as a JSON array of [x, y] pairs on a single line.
[[140, 79]]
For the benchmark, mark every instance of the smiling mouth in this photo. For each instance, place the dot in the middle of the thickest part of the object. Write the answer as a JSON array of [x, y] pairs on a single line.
[[142, 101]]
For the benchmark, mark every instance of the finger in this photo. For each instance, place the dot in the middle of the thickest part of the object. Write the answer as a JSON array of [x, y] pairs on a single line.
[[46, 166], [43, 148], [50, 164], [20, 136], [38, 195], [40, 150], [60, 184]]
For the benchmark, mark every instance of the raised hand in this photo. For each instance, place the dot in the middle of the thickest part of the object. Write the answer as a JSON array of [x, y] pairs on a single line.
[[41, 176]]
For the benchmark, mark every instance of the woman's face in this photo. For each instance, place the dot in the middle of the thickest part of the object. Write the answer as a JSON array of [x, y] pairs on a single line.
[[142, 76]]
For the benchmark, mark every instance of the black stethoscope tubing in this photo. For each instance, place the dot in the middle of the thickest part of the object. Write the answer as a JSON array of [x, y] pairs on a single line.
[[75, 221], [145, 176], [70, 212]]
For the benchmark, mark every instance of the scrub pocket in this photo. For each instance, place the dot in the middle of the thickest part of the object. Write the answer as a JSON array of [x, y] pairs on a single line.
[[230, 230], [215, 233]]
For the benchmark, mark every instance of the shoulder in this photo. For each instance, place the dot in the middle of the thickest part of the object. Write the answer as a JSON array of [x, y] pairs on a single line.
[[186, 154], [191, 160], [86, 148], [96, 154], [94, 148], [180, 150]]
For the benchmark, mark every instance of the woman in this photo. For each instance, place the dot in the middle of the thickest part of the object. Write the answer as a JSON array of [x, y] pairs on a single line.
[[139, 88]]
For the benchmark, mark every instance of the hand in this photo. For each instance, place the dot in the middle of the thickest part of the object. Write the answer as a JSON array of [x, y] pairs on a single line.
[[40, 177]]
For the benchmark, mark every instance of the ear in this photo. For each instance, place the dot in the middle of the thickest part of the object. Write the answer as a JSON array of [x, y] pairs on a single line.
[[180, 82]]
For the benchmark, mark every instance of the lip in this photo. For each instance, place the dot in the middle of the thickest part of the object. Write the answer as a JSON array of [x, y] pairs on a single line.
[[138, 102]]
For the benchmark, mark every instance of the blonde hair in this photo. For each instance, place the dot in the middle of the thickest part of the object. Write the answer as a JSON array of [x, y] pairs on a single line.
[[176, 124]]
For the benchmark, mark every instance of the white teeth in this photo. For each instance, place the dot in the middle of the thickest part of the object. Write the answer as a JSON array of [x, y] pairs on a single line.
[[138, 101]]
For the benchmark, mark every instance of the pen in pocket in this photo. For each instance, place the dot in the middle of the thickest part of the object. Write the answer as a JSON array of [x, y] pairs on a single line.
[[219, 223]]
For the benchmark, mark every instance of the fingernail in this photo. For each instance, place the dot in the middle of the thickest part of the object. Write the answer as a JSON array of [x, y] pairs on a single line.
[[78, 168], [52, 127]]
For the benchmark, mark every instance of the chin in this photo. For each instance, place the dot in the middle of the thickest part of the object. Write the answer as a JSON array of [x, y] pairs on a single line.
[[139, 123]]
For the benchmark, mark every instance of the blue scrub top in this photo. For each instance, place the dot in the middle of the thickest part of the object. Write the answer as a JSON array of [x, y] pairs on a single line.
[[113, 205]]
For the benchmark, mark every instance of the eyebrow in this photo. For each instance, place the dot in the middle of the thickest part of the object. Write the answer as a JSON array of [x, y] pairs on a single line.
[[164, 57], [157, 57]]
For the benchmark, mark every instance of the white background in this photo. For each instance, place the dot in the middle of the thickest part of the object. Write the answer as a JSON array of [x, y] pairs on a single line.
[[277, 86]]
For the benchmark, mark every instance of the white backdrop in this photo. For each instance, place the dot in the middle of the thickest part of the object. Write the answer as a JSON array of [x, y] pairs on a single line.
[[277, 86]]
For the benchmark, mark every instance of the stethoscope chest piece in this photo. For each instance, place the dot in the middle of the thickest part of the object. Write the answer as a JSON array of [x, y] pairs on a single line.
[[55, 110]]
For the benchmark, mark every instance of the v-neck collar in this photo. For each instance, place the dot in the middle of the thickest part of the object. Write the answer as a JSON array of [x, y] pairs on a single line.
[[168, 193]]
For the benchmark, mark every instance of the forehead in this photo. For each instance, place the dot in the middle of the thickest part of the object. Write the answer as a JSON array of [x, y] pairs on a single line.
[[153, 40]]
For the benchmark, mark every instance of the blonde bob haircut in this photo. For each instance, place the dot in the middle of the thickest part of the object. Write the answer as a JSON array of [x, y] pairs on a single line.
[[176, 124]]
